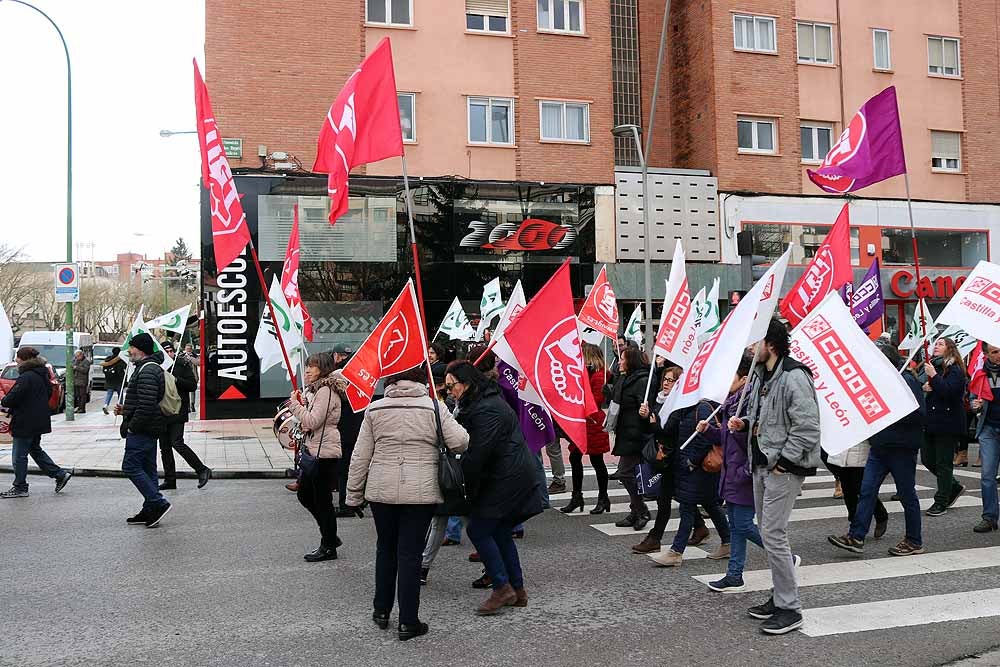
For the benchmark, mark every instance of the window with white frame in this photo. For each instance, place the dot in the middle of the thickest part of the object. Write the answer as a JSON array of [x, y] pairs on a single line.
[[487, 15], [754, 33], [560, 15], [815, 42], [883, 54], [389, 12], [407, 115], [942, 56], [816, 140], [756, 135], [565, 121], [491, 120], [946, 151]]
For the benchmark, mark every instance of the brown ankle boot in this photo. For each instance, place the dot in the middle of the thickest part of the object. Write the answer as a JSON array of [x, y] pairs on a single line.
[[962, 459], [698, 535], [647, 546], [500, 598], [522, 597]]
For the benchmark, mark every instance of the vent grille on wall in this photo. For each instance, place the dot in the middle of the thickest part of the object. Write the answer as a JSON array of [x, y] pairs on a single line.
[[683, 206]]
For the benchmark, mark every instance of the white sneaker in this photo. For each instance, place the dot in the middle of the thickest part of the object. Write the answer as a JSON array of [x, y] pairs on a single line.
[[668, 558]]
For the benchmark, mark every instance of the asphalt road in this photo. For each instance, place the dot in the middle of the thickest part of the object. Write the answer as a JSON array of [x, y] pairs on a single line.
[[222, 582]]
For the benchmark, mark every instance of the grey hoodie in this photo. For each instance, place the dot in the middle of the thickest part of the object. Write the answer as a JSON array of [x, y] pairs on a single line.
[[789, 415]]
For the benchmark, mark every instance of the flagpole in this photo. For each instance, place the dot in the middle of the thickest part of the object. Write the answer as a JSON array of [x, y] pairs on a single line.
[[202, 397], [274, 318], [916, 264], [746, 387], [692, 436], [416, 269]]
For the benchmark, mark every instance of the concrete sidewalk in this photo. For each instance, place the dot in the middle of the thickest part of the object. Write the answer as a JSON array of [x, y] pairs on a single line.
[[91, 445]]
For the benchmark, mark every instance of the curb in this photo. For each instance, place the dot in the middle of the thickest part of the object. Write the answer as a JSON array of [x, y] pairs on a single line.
[[216, 474]]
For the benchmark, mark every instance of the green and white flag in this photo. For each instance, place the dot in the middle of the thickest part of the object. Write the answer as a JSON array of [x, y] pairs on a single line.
[[914, 336], [138, 327], [633, 330], [6, 337], [964, 341], [709, 317], [699, 306], [456, 323], [175, 321], [490, 307], [266, 343]]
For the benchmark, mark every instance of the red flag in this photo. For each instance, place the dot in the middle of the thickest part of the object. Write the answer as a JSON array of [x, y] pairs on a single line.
[[362, 126], [290, 278], [546, 342], [600, 310], [356, 399], [979, 383], [829, 270], [397, 344], [230, 234]]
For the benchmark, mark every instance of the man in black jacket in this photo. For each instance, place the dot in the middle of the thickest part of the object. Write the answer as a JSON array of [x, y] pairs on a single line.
[[28, 403], [143, 423], [173, 437]]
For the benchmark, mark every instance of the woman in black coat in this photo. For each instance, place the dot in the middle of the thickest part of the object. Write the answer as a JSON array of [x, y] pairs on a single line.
[[945, 389], [501, 485], [28, 404], [631, 432]]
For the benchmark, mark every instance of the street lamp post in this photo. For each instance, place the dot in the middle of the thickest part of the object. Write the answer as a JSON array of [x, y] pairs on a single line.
[[69, 204]]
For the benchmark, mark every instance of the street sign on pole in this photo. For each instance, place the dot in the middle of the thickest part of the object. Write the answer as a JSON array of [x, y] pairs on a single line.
[[67, 283]]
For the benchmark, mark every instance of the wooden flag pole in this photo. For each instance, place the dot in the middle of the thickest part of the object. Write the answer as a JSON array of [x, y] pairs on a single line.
[[274, 318], [416, 271], [916, 266]]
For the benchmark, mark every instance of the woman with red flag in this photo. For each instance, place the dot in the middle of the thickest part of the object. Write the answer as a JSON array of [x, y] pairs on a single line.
[[598, 443]]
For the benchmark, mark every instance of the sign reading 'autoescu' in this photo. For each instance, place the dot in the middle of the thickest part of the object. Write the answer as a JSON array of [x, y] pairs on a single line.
[[232, 323]]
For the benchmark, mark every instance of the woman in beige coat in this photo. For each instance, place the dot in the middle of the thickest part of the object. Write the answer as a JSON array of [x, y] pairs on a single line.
[[319, 411], [395, 468]]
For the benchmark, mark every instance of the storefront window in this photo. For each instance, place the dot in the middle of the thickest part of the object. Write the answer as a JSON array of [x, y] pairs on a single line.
[[937, 247], [771, 240]]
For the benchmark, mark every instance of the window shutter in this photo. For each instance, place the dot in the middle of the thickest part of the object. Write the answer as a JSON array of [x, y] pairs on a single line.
[[486, 7], [945, 144]]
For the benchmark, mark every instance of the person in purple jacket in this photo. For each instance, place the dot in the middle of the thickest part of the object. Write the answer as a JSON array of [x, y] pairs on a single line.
[[735, 482]]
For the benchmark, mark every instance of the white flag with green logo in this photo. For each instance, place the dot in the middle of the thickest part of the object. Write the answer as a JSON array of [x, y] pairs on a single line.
[[266, 343], [709, 316], [633, 330], [490, 306], [964, 341], [456, 323], [175, 321], [917, 333], [138, 327]]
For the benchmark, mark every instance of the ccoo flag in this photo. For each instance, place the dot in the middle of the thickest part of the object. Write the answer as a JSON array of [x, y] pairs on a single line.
[[362, 125], [600, 309], [976, 306], [230, 234], [868, 151], [867, 302], [675, 339], [829, 270], [290, 279]]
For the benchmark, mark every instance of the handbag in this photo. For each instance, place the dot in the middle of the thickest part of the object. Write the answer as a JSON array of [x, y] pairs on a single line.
[[648, 481], [309, 464], [712, 463], [611, 417], [451, 479], [656, 455]]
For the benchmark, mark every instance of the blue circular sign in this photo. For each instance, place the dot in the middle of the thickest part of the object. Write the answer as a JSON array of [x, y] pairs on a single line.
[[67, 275]]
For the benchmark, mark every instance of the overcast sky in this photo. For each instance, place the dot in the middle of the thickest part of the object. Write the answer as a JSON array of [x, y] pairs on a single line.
[[132, 77]]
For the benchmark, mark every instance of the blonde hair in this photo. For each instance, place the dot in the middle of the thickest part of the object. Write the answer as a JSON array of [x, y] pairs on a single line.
[[592, 356]]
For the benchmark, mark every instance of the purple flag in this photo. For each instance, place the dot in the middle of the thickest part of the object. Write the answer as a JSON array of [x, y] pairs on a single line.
[[867, 304], [869, 150], [536, 424]]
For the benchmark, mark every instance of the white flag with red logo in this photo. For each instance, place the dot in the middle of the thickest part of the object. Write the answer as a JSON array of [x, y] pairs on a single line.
[[712, 370], [515, 304], [290, 280], [545, 340], [976, 306], [859, 391], [675, 339], [230, 234], [829, 270], [397, 344], [600, 309]]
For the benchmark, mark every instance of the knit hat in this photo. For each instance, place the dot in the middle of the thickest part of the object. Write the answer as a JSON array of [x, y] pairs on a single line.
[[167, 345], [142, 342]]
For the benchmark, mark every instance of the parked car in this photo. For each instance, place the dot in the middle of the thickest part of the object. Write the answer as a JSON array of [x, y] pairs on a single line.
[[101, 352], [57, 402]]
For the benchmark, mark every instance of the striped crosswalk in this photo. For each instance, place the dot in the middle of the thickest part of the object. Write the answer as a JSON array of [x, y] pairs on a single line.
[[843, 572]]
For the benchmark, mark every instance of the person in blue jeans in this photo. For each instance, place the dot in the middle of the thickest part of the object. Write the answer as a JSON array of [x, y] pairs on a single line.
[[28, 404], [894, 450], [142, 424], [988, 435]]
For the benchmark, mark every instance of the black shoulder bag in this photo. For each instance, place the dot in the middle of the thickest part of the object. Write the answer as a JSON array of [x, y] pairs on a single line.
[[451, 479], [309, 464]]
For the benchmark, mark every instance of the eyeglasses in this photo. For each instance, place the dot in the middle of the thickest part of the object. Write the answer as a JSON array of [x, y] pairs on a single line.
[[669, 380], [450, 385]]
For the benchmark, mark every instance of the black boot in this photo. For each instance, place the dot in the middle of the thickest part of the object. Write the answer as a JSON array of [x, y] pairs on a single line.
[[575, 503], [641, 520], [603, 505], [168, 485], [628, 521]]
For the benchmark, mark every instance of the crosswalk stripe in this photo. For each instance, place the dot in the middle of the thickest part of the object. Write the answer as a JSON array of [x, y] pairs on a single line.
[[810, 494], [803, 514], [839, 572], [906, 612], [621, 492]]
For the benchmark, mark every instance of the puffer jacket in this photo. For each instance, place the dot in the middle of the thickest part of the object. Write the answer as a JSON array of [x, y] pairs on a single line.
[[81, 372], [395, 459], [597, 439], [787, 411], [114, 372], [630, 430], [735, 480], [28, 400], [141, 412], [692, 484], [319, 417]]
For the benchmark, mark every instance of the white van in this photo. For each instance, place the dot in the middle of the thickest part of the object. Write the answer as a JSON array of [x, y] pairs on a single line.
[[52, 346]]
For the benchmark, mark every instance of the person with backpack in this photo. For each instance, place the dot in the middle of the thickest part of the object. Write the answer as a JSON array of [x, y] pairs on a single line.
[[28, 404], [143, 422], [173, 438]]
